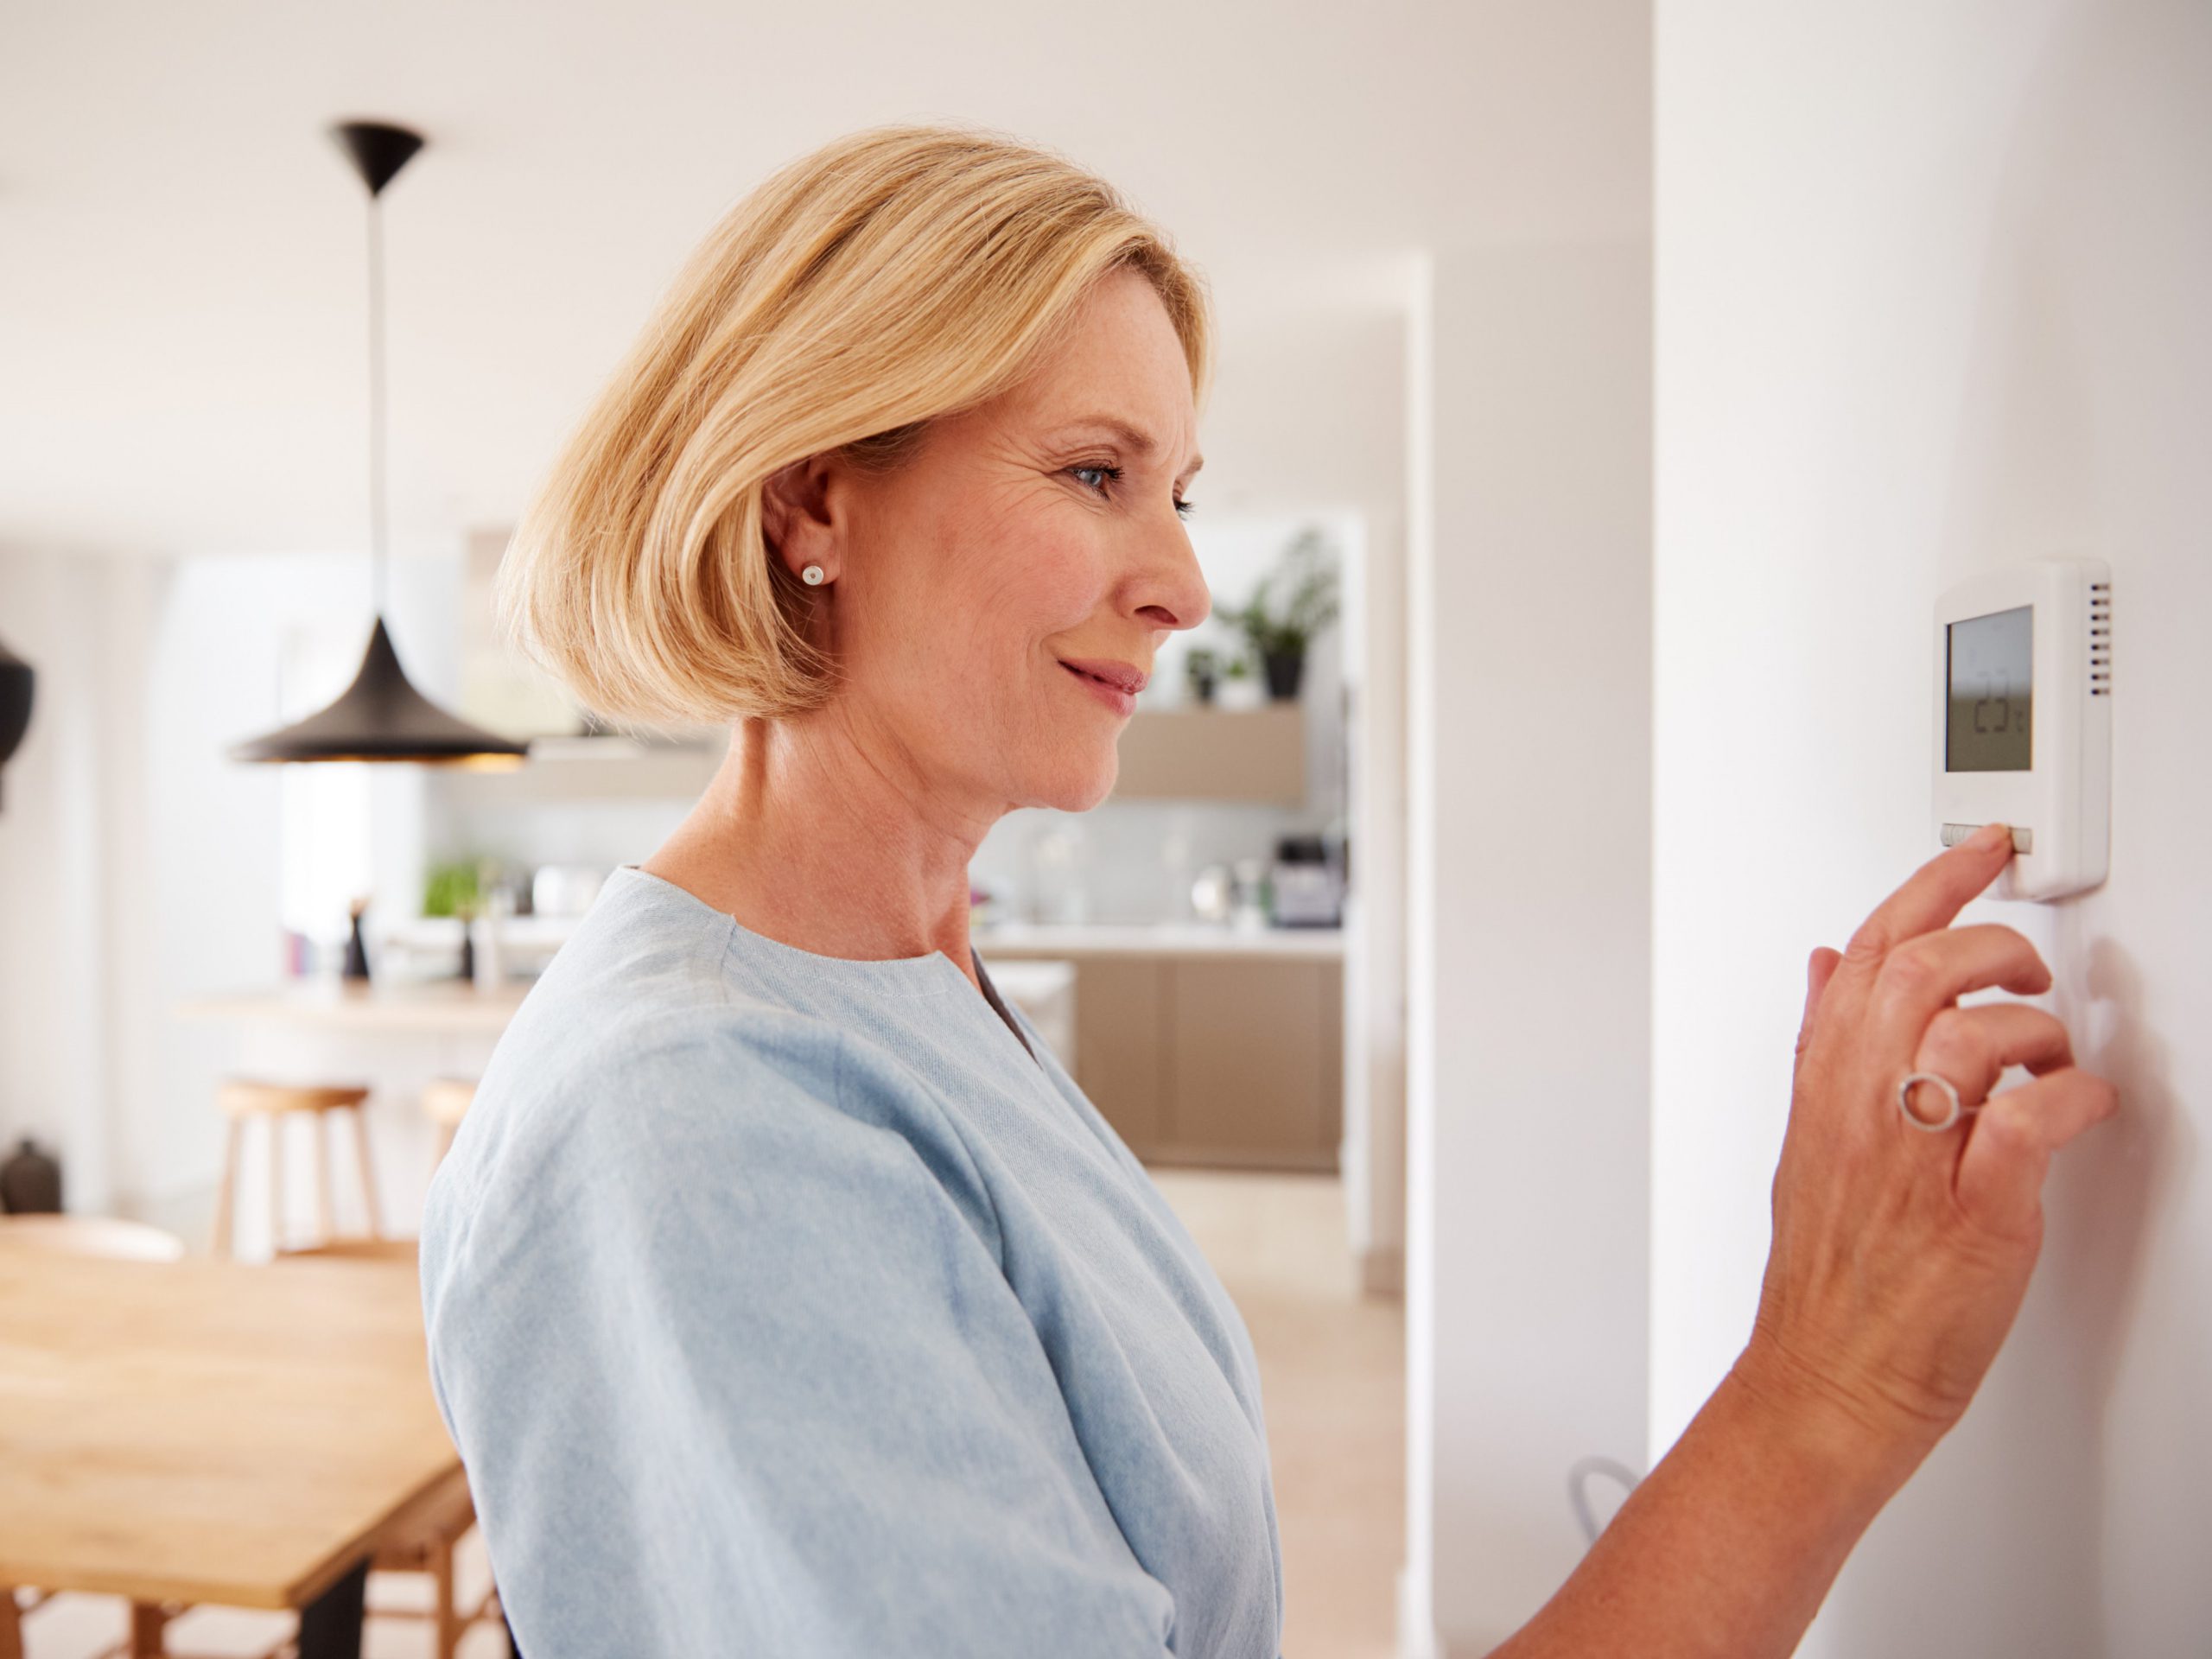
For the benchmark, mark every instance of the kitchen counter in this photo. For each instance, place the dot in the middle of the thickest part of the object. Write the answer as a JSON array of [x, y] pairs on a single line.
[[427, 1008], [1160, 939], [529, 939], [455, 1007]]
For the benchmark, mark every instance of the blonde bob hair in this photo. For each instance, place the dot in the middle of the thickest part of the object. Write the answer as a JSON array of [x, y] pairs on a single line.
[[892, 277]]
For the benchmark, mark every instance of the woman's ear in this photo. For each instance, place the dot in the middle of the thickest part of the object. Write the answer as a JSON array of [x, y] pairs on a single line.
[[798, 519]]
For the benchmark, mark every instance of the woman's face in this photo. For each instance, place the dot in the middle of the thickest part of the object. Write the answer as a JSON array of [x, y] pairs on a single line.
[[1037, 531]]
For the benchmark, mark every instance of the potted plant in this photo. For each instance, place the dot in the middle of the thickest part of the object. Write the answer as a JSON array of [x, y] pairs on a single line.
[[1280, 632], [456, 889]]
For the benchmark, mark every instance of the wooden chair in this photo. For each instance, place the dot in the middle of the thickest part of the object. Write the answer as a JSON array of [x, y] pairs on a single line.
[[423, 1538], [68, 1234], [445, 1103], [244, 1100], [423, 1541]]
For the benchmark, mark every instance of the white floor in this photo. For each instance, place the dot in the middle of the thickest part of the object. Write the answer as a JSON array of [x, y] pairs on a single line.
[[1333, 1372]]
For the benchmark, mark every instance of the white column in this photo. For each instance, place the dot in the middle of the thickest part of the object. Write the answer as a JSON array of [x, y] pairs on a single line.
[[1530, 892]]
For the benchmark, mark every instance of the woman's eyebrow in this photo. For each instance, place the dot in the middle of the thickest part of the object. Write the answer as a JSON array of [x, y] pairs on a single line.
[[1141, 442]]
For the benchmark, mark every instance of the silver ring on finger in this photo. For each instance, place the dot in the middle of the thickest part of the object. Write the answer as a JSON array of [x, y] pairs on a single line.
[[1950, 1091]]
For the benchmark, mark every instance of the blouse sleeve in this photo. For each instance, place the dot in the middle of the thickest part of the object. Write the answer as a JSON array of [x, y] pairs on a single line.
[[734, 1369]]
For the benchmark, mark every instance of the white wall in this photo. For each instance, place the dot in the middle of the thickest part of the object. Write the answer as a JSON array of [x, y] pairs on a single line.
[[1530, 756], [62, 615], [1932, 281]]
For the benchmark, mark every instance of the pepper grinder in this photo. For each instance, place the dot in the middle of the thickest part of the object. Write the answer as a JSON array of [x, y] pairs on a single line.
[[357, 948]]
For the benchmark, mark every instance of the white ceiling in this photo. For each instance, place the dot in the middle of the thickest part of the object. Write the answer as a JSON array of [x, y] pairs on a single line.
[[182, 299]]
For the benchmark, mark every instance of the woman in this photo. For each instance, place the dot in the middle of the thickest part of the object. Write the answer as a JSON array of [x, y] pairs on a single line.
[[785, 1296]]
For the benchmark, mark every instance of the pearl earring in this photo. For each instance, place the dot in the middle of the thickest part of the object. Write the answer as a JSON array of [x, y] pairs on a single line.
[[813, 575]]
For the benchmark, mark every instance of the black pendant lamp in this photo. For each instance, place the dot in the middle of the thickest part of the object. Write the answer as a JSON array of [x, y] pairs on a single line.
[[380, 716], [16, 681]]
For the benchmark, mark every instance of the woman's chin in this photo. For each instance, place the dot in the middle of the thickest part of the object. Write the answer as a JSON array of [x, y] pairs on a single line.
[[1077, 788]]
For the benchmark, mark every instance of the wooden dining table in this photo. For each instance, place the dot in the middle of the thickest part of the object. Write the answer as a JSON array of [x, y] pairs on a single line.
[[211, 1432]]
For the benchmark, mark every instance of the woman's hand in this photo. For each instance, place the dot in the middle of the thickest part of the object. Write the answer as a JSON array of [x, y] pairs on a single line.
[[1900, 1256]]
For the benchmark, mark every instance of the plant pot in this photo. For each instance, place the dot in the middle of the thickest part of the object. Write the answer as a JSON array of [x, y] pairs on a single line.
[[1285, 670]]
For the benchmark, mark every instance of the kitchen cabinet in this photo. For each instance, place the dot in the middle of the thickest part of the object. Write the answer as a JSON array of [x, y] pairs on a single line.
[[1119, 1054], [1216, 1057], [1253, 1062]]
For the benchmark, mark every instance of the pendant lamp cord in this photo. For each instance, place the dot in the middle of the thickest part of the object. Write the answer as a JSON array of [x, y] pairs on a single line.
[[376, 527]]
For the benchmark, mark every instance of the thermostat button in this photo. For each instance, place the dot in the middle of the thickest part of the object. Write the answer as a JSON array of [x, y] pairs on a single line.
[[2024, 841]]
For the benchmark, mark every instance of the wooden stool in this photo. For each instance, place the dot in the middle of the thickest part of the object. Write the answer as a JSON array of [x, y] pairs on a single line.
[[242, 1099], [445, 1103]]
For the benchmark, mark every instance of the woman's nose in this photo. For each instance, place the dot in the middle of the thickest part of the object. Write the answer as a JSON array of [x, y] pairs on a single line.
[[1176, 596]]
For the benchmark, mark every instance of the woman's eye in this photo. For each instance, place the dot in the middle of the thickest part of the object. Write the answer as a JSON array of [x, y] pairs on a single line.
[[1101, 474]]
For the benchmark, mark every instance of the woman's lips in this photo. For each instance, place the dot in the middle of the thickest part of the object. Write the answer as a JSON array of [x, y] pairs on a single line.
[[1111, 682]]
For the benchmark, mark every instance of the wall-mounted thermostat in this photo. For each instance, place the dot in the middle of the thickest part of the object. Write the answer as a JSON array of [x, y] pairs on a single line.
[[2024, 719]]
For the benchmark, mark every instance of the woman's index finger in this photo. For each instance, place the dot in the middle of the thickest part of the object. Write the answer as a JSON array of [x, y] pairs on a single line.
[[1934, 894]]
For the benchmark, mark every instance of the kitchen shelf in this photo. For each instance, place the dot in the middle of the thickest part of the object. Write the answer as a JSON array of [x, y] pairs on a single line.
[[1215, 754]]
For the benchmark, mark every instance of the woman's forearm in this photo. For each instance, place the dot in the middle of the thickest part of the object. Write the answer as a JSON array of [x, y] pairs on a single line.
[[1726, 1550]]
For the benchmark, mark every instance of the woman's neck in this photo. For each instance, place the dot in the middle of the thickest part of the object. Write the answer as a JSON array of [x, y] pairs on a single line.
[[811, 836]]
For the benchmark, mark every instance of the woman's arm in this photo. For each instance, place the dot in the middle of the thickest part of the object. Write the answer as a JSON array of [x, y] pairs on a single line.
[[1899, 1260], [1729, 1546]]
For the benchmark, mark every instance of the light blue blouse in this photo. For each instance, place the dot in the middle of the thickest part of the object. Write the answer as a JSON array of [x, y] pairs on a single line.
[[786, 1305]]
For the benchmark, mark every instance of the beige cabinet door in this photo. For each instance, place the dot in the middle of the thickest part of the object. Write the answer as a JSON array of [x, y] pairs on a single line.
[[1254, 1062], [1119, 1061]]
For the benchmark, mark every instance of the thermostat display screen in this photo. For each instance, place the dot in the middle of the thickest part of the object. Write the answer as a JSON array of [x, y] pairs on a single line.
[[1989, 725]]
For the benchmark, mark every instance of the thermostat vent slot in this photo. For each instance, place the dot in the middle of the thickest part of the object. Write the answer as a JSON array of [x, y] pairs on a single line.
[[2100, 638]]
